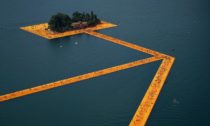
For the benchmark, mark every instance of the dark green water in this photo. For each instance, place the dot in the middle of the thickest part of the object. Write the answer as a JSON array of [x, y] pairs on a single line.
[[179, 28]]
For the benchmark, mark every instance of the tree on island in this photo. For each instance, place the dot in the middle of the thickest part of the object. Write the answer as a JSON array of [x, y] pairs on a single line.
[[91, 18], [62, 22]]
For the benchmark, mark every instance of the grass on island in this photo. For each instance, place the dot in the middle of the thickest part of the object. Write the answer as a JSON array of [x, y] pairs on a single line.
[[41, 30]]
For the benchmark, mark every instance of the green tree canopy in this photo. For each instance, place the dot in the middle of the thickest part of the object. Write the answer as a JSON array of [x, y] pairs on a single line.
[[60, 22], [91, 18]]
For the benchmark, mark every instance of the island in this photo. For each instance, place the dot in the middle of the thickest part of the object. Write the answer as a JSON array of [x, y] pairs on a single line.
[[61, 22], [62, 25]]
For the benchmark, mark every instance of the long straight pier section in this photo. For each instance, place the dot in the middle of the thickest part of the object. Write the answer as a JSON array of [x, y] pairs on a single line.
[[124, 43], [75, 79], [150, 98]]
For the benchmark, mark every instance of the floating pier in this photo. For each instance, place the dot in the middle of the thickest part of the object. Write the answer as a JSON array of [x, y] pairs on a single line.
[[42, 30], [124, 43], [146, 105], [72, 80], [145, 108], [150, 98]]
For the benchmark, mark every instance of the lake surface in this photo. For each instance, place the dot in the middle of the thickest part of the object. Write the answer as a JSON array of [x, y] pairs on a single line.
[[178, 28]]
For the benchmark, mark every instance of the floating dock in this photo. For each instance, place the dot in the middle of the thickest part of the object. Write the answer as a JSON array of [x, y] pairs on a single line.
[[41, 30], [72, 80], [142, 114]]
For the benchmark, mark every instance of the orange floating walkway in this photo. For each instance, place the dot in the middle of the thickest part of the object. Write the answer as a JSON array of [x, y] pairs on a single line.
[[148, 102], [141, 115], [124, 43], [41, 30], [75, 79], [156, 85]]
